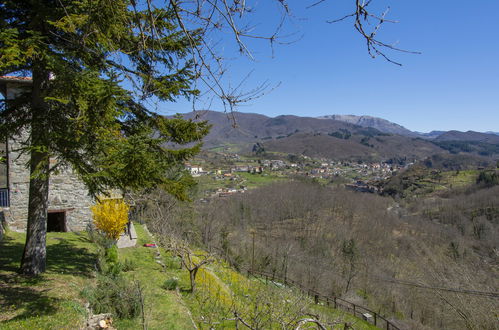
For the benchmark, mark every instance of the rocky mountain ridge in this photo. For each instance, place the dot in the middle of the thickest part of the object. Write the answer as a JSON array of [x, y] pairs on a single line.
[[332, 138], [380, 124]]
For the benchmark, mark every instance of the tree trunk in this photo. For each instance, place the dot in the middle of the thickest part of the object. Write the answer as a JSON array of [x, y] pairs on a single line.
[[192, 275], [34, 255]]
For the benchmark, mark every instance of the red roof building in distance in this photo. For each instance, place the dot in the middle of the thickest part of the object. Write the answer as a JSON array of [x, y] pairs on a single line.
[[8, 85], [22, 80]]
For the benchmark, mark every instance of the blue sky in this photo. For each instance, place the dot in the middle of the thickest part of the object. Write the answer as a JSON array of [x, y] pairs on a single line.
[[453, 84]]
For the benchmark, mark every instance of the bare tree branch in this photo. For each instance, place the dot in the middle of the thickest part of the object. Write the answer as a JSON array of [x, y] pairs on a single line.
[[362, 17]]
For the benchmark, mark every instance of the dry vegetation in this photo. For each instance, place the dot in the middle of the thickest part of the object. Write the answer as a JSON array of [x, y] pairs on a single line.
[[431, 263]]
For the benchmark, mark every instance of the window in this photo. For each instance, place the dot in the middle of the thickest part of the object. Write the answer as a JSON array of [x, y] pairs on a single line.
[[4, 197]]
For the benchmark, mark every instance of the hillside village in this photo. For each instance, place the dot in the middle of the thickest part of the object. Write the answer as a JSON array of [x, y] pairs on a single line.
[[356, 175]]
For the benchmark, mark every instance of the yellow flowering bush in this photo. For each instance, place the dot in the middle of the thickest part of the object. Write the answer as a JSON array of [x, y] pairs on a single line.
[[215, 287], [111, 216]]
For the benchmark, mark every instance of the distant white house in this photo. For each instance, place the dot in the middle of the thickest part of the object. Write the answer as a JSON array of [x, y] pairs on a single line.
[[194, 170]]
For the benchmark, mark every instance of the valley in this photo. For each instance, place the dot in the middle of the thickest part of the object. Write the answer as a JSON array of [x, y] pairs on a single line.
[[318, 222], [249, 165], [413, 236]]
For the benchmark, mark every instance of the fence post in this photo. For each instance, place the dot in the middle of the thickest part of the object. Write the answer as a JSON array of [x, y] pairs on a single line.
[[316, 296]]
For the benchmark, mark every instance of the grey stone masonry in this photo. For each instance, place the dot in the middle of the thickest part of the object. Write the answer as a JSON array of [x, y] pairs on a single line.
[[66, 193]]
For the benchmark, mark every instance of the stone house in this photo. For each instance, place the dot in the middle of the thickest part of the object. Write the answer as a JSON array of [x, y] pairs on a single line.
[[69, 201]]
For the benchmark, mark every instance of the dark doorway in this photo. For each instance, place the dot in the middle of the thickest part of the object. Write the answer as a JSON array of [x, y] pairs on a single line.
[[56, 221]]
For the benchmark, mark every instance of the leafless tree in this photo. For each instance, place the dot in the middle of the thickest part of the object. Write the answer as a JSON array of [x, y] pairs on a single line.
[[193, 262]]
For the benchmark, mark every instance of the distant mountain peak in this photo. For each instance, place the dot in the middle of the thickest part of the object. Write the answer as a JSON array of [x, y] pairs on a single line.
[[380, 124]]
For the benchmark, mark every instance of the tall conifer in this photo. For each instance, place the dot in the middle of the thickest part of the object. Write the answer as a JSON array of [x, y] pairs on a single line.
[[93, 63]]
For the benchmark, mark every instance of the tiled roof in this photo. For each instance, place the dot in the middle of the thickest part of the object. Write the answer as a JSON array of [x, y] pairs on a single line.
[[25, 80]]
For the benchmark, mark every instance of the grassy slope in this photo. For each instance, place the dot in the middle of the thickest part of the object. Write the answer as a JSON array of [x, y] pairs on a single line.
[[424, 181], [448, 179], [220, 290], [50, 301], [164, 309], [258, 180], [208, 183]]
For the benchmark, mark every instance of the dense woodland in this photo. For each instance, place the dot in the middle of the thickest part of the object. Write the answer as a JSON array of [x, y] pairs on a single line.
[[431, 262]]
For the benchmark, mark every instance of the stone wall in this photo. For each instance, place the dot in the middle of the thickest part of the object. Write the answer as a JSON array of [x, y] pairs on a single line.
[[66, 193]]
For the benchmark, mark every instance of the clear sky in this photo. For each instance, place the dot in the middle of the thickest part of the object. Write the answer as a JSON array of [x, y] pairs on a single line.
[[453, 84]]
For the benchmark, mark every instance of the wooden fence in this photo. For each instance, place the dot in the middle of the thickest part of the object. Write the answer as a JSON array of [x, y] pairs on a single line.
[[338, 303]]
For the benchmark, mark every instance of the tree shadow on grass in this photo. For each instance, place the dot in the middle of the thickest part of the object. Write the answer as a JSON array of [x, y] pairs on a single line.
[[33, 302], [65, 257], [23, 293], [10, 254], [19, 292]]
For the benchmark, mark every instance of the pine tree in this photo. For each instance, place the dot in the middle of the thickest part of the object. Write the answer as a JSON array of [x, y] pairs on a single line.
[[93, 63]]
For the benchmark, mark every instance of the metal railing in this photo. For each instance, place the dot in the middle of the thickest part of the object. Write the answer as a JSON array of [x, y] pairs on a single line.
[[4, 197], [338, 303]]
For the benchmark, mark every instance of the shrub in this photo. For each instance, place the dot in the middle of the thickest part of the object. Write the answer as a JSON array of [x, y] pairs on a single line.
[[99, 238], [170, 284], [108, 261], [111, 216], [112, 269], [112, 254], [173, 262], [129, 265], [115, 295]]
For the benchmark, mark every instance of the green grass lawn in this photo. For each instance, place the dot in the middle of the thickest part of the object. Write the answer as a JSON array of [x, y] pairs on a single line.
[[163, 309], [49, 301], [340, 318], [208, 182], [258, 180], [249, 180]]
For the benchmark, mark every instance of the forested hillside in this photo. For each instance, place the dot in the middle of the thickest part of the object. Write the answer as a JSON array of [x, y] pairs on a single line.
[[337, 137], [430, 262]]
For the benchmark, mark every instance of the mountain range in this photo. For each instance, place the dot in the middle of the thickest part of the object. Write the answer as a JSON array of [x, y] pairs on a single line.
[[380, 124], [386, 126], [337, 136]]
